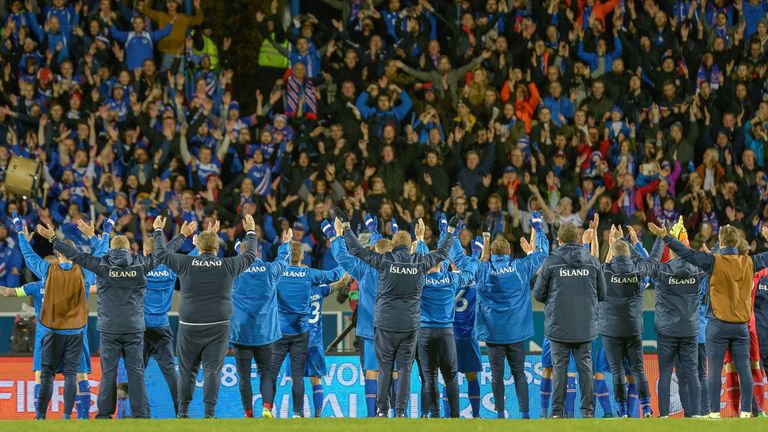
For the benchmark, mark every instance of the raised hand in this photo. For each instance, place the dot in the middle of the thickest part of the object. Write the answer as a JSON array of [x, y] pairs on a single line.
[[341, 214], [536, 221], [248, 223], [525, 245], [328, 229], [188, 228], [88, 229], [420, 228], [18, 223], [46, 231], [393, 226], [372, 223], [338, 225], [657, 231], [159, 222], [287, 235], [477, 245], [443, 223], [214, 226], [632, 234], [109, 223]]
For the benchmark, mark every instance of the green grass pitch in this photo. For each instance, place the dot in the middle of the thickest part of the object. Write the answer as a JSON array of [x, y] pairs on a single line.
[[386, 425]]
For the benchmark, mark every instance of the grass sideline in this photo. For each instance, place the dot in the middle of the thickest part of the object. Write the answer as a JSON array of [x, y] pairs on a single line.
[[386, 425]]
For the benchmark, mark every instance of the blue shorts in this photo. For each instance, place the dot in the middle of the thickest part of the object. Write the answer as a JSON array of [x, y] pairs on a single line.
[[85, 356], [36, 362], [315, 365], [468, 355], [368, 355], [599, 361]]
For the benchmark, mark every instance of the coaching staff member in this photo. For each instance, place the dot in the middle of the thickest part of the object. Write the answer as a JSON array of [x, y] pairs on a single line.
[[205, 309], [570, 284], [396, 312], [729, 306]]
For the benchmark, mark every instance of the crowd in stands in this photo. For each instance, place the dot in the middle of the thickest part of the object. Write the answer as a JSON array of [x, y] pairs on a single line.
[[639, 110]]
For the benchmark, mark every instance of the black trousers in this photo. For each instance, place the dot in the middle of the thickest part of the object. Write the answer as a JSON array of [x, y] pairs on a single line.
[[59, 353], [394, 347], [582, 354], [437, 352], [130, 347], [158, 343], [514, 354], [207, 344], [244, 355], [631, 348], [295, 345]]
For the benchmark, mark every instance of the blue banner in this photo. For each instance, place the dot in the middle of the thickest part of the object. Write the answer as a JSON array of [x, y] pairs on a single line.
[[344, 392]]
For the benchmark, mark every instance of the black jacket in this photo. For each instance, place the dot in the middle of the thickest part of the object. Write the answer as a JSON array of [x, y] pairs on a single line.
[[206, 280], [570, 285], [121, 286], [400, 282]]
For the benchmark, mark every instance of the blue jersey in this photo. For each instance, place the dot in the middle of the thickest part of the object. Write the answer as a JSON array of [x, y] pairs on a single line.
[[504, 313], [465, 306], [703, 292], [438, 297], [319, 292], [293, 291], [255, 320], [36, 290], [160, 283], [10, 259], [368, 282]]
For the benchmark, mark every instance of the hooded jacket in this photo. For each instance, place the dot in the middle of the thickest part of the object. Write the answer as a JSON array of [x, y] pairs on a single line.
[[368, 282], [121, 285], [400, 282], [570, 284], [254, 299], [621, 313], [206, 280], [440, 287], [504, 313]]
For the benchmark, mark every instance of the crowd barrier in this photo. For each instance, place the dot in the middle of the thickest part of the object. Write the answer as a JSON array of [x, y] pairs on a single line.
[[344, 395]]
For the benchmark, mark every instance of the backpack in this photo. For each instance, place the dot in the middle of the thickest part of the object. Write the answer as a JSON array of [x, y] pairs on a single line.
[[23, 335]]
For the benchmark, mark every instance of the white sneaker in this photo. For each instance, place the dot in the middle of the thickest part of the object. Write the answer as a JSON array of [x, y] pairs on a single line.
[[714, 415], [745, 414]]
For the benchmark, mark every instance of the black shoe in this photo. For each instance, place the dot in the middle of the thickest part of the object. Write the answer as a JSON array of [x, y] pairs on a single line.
[[182, 415], [208, 416], [381, 415], [588, 416]]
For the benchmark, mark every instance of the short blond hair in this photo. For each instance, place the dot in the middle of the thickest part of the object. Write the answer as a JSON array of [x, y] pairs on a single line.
[[207, 242], [729, 236], [383, 246], [568, 233], [620, 248], [297, 252], [500, 246], [401, 238], [120, 242]]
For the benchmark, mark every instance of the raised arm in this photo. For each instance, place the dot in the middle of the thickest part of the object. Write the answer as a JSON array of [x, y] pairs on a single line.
[[162, 252], [351, 264], [241, 262], [701, 260], [37, 265], [341, 226], [84, 260]]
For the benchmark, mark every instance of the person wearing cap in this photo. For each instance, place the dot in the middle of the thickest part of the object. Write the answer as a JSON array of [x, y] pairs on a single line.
[[570, 284], [38, 267], [293, 303], [255, 324], [121, 283], [206, 307], [139, 43], [172, 46], [396, 317], [729, 307]]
